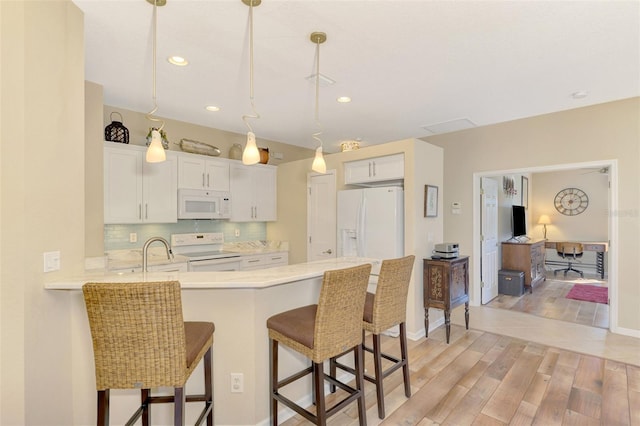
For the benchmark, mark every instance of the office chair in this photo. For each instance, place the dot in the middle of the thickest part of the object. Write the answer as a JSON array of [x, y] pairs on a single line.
[[572, 252]]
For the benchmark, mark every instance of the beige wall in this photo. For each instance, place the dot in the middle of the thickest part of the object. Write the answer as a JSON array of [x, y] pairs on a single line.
[[590, 225], [93, 171], [138, 126], [608, 131], [42, 203]]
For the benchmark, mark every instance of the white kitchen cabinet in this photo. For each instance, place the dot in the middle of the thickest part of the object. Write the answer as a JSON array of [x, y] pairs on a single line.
[[370, 171], [200, 172], [253, 193], [164, 267], [277, 259], [136, 191], [254, 262]]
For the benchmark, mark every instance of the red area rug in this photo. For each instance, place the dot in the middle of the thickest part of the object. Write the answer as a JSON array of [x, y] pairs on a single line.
[[589, 293]]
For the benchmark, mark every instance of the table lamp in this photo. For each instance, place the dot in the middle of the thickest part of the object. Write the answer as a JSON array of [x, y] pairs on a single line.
[[544, 221]]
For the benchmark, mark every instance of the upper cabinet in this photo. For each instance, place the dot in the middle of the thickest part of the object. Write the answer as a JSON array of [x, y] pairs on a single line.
[[136, 191], [253, 193], [373, 171], [199, 172]]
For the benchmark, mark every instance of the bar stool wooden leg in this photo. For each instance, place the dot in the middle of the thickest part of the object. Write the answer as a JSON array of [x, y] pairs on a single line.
[[332, 372], [359, 367], [103, 408], [404, 356], [273, 355], [318, 391], [208, 384], [379, 374], [144, 400], [178, 407]]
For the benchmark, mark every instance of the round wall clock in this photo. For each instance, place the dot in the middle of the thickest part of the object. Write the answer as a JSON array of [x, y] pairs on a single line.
[[571, 201]]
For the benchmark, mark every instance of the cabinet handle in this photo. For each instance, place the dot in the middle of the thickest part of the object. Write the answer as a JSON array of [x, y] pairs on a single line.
[[146, 211], [208, 183], [327, 252], [253, 261], [203, 180], [139, 211], [374, 168]]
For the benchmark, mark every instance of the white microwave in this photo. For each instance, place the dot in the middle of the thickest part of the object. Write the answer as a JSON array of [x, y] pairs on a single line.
[[203, 204]]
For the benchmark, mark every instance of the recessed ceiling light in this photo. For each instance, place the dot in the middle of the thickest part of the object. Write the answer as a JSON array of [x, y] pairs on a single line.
[[212, 108], [344, 99], [580, 94], [178, 60]]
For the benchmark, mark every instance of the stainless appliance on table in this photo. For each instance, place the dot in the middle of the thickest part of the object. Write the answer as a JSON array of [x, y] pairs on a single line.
[[204, 251]]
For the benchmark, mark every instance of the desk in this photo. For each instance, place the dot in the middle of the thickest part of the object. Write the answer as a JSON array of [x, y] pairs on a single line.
[[600, 247]]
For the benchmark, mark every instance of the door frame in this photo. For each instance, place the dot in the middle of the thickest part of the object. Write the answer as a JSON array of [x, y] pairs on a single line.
[[612, 271]]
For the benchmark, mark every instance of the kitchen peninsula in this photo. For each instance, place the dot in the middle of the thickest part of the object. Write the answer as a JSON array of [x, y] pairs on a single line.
[[239, 304]]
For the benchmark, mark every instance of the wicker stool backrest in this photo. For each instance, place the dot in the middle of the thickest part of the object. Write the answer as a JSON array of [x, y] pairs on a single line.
[[338, 325], [390, 301], [138, 334]]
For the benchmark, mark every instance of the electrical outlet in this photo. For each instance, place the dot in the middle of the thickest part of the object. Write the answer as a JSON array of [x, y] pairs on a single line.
[[133, 237], [237, 232], [237, 382]]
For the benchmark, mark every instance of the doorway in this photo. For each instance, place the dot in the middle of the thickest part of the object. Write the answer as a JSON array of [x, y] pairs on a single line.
[[321, 215], [612, 226]]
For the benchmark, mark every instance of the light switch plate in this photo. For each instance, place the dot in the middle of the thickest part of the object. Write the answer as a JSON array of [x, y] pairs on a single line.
[[51, 261]]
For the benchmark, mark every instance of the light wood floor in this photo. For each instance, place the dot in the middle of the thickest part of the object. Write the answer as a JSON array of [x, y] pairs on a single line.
[[510, 368], [548, 300], [482, 378]]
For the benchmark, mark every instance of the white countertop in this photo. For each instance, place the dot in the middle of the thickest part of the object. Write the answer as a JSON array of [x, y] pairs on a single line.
[[256, 279]]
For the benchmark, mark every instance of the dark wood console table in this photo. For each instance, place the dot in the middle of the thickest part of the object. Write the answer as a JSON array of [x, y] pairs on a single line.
[[446, 286]]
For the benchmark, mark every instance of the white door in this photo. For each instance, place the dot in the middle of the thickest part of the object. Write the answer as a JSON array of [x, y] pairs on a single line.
[[489, 239], [321, 216]]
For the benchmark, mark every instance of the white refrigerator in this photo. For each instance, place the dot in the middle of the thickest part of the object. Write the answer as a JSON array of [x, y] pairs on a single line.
[[371, 223]]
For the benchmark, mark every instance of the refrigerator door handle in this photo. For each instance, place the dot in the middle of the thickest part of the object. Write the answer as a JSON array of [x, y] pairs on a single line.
[[360, 239]]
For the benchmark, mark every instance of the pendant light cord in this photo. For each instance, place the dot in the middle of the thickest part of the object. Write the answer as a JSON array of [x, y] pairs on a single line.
[[317, 134], [253, 107], [150, 116]]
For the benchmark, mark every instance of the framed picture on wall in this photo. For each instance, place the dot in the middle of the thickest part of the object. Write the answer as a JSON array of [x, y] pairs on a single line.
[[430, 201], [525, 192]]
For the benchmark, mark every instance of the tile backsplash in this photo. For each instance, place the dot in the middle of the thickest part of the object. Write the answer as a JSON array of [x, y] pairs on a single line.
[[116, 237]]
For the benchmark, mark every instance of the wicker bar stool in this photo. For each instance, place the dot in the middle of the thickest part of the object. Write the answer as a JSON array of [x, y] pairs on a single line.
[[386, 309], [319, 332], [140, 341]]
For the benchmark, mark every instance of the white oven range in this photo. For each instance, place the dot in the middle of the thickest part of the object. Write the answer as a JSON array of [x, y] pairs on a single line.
[[204, 251]]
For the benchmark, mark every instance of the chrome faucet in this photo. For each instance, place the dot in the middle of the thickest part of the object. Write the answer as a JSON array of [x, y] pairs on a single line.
[[145, 248]]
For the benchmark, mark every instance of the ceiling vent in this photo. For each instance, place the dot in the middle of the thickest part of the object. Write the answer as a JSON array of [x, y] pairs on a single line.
[[449, 126], [324, 80]]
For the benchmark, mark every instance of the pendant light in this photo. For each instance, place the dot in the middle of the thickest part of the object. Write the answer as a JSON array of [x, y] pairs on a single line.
[[319, 164], [251, 155], [155, 151]]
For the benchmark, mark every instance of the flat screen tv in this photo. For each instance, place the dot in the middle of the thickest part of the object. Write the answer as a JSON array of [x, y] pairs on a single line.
[[518, 221]]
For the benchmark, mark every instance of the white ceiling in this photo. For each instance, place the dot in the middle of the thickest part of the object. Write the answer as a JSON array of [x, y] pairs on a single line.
[[405, 64]]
